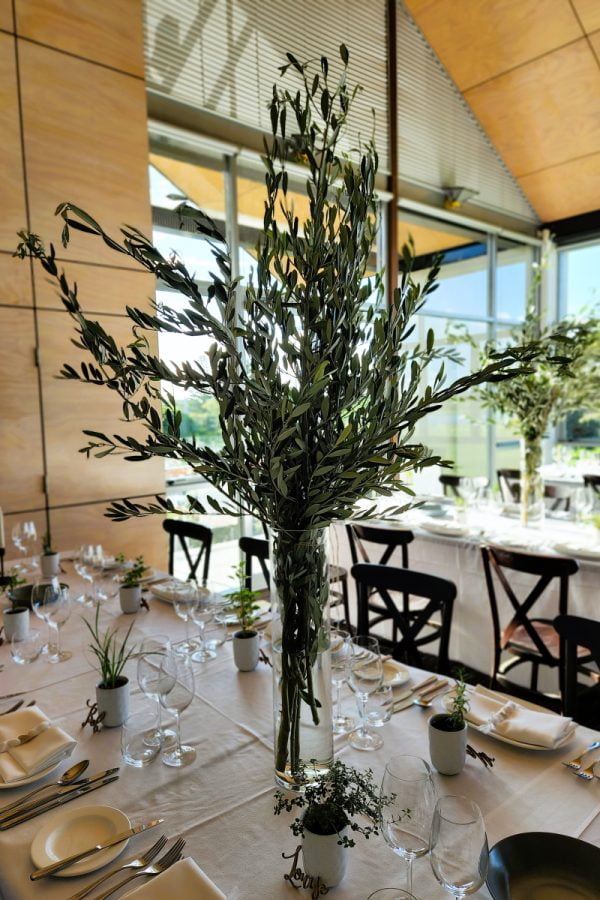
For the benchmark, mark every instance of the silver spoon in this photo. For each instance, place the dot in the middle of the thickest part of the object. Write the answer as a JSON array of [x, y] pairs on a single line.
[[67, 777], [427, 697]]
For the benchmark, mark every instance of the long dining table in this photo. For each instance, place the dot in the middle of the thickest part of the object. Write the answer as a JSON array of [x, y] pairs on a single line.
[[223, 803]]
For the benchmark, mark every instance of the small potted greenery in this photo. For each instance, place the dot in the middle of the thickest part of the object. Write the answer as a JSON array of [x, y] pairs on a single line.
[[246, 641], [331, 803], [448, 732], [111, 653], [49, 560], [130, 591]]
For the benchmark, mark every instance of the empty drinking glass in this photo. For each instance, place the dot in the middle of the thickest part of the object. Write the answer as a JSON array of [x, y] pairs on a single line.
[[183, 604], [341, 653], [459, 848], [176, 692], [365, 677], [152, 652], [137, 747], [202, 611], [27, 649]]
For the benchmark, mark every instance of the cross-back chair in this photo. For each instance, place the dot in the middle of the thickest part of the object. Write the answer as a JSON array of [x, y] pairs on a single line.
[[527, 639], [579, 636], [509, 482], [592, 481], [414, 630], [192, 537], [451, 484]]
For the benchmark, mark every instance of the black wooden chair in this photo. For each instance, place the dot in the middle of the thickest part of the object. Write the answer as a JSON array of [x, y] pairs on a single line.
[[417, 629], [527, 639], [509, 482], [452, 483], [190, 535], [592, 481], [579, 637], [390, 539]]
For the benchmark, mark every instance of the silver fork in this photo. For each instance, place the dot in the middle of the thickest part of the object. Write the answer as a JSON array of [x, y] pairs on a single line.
[[576, 763], [588, 773], [139, 862], [170, 857]]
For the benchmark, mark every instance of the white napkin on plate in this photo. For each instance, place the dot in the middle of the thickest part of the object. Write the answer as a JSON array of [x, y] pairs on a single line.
[[452, 529], [495, 715], [169, 590], [32, 744], [184, 879]]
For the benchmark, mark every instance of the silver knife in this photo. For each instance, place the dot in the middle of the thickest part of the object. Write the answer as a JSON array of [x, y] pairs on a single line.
[[87, 789], [63, 863], [409, 692], [428, 693], [60, 791]]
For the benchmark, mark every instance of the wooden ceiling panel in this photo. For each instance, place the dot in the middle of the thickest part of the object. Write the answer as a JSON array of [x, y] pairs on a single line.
[[589, 13], [477, 40], [12, 197], [6, 15], [573, 186], [544, 113], [595, 40]]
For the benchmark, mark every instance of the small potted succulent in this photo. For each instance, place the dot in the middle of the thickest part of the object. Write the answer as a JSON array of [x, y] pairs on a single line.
[[130, 591], [49, 560], [448, 732], [246, 641], [111, 654], [331, 803]]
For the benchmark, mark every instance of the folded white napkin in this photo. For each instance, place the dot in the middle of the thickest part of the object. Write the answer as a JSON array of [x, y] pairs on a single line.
[[31, 744], [169, 590], [452, 529], [184, 879], [495, 715]]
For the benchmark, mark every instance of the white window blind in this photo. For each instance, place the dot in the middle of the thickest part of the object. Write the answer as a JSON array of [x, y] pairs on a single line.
[[222, 56], [440, 142]]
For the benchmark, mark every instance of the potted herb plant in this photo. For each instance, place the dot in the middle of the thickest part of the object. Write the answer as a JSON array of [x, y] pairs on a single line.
[[448, 733], [130, 591], [330, 805], [111, 653], [318, 391], [50, 559], [246, 641]]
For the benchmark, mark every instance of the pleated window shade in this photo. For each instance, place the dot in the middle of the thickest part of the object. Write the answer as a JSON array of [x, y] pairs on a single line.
[[223, 56]]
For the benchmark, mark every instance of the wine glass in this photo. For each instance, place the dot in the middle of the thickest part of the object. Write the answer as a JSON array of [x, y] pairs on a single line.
[[406, 819], [185, 600], [459, 848], [365, 677], [583, 502], [24, 536], [95, 561], [82, 568], [152, 652], [201, 612], [175, 689], [341, 652], [43, 594], [57, 613]]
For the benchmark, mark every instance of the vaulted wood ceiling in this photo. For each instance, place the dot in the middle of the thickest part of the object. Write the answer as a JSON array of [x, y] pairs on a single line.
[[530, 71]]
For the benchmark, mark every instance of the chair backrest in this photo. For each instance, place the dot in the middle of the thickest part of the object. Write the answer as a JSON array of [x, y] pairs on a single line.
[[496, 560], [558, 497], [389, 537], [188, 534], [415, 629], [255, 548], [592, 481], [452, 483], [575, 632], [509, 482]]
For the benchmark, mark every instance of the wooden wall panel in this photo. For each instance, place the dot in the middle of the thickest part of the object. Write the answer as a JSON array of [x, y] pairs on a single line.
[[69, 407], [86, 141], [15, 281], [12, 196], [589, 13], [21, 463], [100, 289], [109, 32], [574, 184], [6, 15], [73, 526]]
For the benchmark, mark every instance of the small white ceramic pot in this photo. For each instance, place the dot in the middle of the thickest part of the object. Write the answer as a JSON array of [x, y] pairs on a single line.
[[50, 564], [114, 702], [324, 858], [246, 646], [16, 622], [129, 598], [447, 749]]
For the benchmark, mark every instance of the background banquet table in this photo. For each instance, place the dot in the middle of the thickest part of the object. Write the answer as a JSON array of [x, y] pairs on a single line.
[[222, 804]]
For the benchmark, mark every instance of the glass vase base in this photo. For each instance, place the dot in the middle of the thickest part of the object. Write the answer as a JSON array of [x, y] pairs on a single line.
[[288, 781], [203, 655], [184, 756], [63, 656], [186, 647], [365, 739], [161, 737]]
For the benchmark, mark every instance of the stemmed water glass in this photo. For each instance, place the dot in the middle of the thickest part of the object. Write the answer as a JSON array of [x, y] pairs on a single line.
[[183, 604], [406, 820], [201, 613], [81, 564], [152, 652], [459, 848], [583, 502], [175, 689], [341, 653], [24, 536], [51, 602], [365, 677]]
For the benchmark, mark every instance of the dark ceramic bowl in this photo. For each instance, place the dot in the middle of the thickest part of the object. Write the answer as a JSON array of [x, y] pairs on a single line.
[[21, 595]]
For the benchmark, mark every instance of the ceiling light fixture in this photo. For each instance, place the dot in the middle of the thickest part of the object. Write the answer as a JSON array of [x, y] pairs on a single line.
[[456, 196]]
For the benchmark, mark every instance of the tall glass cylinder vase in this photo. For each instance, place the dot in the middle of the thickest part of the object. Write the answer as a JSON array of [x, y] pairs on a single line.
[[532, 487], [301, 657]]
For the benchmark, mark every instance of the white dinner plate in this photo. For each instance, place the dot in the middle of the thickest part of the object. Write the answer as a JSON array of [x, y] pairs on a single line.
[[394, 673], [573, 549], [447, 529], [31, 779], [74, 830]]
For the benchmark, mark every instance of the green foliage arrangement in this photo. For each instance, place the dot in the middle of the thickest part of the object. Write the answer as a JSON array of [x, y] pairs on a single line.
[[47, 544], [333, 800], [11, 581], [243, 600], [110, 651], [460, 703], [318, 396], [131, 577]]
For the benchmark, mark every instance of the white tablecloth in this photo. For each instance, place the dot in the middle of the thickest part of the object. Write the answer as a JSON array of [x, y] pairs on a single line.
[[222, 804]]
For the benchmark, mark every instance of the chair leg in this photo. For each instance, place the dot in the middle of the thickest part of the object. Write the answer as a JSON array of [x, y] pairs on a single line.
[[346, 601], [534, 676]]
